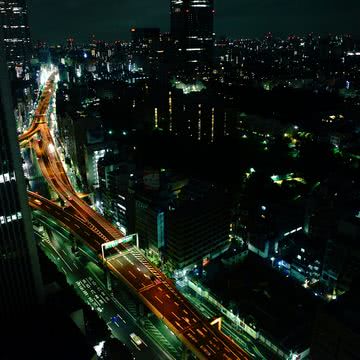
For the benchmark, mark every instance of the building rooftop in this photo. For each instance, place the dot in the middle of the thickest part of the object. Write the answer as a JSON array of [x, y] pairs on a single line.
[[346, 309], [261, 296]]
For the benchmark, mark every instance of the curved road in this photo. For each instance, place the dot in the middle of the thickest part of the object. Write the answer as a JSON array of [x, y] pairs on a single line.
[[155, 290]]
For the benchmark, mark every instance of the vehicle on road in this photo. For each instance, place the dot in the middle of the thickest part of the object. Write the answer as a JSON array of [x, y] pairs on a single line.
[[136, 339]]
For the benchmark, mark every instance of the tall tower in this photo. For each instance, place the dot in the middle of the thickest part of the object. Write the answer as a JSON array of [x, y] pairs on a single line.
[[192, 30], [20, 279], [16, 31]]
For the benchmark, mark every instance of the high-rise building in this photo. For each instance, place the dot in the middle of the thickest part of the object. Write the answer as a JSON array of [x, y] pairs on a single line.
[[195, 112], [185, 221], [197, 225], [192, 30], [146, 37], [15, 27], [20, 279], [115, 200], [146, 52]]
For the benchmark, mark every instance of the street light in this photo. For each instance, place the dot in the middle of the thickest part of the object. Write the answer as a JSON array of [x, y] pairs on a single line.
[[272, 261]]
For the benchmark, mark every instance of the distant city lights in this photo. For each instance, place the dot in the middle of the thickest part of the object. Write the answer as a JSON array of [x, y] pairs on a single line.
[[189, 88]]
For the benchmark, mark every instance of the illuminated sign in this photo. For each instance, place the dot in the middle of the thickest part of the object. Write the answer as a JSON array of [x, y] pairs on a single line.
[[115, 243], [112, 244]]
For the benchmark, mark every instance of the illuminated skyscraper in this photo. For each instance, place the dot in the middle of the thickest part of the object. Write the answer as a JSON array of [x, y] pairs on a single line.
[[16, 32], [192, 30], [20, 279]]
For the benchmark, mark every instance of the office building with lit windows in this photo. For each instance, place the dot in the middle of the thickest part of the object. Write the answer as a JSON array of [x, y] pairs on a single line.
[[196, 113], [20, 279], [197, 225], [114, 200], [145, 45], [16, 31], [192, 31], [186, 221]]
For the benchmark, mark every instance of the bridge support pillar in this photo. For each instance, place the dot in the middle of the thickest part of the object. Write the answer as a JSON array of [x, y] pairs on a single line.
[[108, 280], [34, 178], [74, 244], [185, 354], [27, 183], [140, 309]]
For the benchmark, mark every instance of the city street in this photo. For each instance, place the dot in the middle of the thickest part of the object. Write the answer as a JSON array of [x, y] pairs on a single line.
[[238, 335], [93, 291], [152, 287]]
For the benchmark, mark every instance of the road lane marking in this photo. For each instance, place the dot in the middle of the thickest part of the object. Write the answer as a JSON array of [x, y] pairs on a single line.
[[175, 315], [211, 349], [120, 317], [158, 299], [128, 260], [133, 342]]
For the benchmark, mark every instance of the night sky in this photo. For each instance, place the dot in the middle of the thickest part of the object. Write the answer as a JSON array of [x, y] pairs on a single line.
[[55, 20]]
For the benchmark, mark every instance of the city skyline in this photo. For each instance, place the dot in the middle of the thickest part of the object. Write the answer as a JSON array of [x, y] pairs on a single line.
[[161, 193], [112, 20]]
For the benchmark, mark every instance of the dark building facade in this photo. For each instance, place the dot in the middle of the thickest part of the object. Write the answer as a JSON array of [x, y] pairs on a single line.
[[336, 333], [197, 230], [185, 221], [146, 54], [114, 198], [20, 278], [192, 31], [342, 257], [16, 31], [198, 115], [146, 36]]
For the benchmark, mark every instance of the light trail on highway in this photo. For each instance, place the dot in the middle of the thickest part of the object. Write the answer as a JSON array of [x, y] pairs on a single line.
[[148, 283]]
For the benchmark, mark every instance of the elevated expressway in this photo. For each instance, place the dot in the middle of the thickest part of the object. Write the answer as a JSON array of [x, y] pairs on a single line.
[[40, 112], [126, 262]]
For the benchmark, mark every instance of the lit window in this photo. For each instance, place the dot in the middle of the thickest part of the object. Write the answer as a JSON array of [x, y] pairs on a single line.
[[7, 177], [10, 218]]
